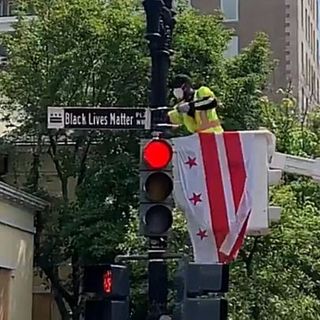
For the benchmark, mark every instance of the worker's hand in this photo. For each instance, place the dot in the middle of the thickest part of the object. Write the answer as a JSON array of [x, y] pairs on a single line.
[[183, 108]]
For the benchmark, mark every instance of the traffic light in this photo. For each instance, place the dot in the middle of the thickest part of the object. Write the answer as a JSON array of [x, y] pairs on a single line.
[[206, 309], [156, 186], [200, 292], [106, 288], [106, 310], [106, 280]]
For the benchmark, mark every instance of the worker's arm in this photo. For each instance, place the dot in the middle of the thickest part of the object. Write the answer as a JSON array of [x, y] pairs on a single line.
[[175, 116], [205, 99], [201, 105], [204, 104]]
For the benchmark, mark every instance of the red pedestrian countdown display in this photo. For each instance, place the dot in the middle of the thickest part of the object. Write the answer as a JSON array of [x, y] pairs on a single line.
[[107, 282]]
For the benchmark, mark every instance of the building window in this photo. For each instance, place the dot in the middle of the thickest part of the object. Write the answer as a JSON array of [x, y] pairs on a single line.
[[313, 42], [310, 74], [233, 48], [317, 58], [309, 27], [306, 67], [302, 57], [301, 10], [312, 84], [230, 9], [302, 99], [6, 8], [305, 22], [311, 36], [317, 13]]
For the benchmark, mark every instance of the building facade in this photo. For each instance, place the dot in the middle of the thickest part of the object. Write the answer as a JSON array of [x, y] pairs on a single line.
[[292, 26], [293, 29], [17, 230]]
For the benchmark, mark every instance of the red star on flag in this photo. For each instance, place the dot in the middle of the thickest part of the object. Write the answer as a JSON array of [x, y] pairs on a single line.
[[202, 234], [195, 198], [191, 162]]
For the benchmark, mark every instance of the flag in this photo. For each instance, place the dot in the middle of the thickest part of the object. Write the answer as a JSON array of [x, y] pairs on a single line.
[[214, 186]]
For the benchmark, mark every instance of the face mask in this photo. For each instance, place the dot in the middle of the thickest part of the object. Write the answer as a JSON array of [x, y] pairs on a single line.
[[178, 93]]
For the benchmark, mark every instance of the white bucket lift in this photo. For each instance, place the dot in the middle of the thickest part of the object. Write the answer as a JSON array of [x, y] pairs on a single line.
[[269, 168]]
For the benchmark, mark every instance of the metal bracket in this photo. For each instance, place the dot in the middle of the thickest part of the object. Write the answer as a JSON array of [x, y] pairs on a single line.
[[165, 256]]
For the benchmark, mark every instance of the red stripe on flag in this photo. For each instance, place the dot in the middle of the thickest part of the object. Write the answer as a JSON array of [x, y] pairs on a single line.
[[218, 210], [238, 244], [236, 165]]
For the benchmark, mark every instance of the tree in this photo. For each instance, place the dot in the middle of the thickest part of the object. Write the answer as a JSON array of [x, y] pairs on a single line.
[[69, 55], [92, 53]]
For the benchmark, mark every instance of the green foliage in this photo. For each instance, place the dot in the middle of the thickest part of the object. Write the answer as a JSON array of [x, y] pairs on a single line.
[[198, 51], [277, 276], [289, 126], [246, 76], [92, 53], [85, 53]]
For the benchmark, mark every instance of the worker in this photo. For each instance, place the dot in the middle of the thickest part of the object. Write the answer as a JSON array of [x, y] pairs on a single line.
[[196, 109]]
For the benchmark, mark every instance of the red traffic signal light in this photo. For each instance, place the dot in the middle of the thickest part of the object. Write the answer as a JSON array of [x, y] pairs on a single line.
[[157, 154], [107, 282]]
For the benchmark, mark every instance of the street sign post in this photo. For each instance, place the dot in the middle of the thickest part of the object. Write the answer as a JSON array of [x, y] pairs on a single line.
[[99, 118]]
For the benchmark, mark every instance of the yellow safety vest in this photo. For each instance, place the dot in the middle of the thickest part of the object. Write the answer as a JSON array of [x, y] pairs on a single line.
[[192, 124]]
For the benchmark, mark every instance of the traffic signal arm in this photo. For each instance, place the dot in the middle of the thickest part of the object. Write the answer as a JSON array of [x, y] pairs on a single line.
[[296, 165]]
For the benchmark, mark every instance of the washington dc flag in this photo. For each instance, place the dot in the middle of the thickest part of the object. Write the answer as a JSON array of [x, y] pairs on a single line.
[[214, 187]]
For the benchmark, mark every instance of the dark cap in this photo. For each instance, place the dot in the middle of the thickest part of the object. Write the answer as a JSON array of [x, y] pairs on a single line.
[[180, 80]]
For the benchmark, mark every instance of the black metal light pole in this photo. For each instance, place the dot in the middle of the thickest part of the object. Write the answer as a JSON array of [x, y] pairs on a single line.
[[160, 24]]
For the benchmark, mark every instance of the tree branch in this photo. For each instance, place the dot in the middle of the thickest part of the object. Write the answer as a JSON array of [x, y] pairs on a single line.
[[34, 174], [248, 258], [253, 250], [74, 92], [83, 167], [39, 225], [77, 146], [61, 305], [76, 274], [51, 273], [52, 151]]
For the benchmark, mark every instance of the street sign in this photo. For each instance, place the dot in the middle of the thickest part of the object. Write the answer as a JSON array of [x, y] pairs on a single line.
[[98, 118]]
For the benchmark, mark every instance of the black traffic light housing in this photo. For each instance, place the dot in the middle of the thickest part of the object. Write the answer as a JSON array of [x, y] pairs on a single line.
[[106, 310], [156, 187], [206, 309], [200, 291]]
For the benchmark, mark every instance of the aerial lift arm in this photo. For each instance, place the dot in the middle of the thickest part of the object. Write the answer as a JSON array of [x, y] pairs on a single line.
[[296, 165]]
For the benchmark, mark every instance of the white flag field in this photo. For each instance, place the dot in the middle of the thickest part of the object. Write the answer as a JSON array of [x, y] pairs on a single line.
[[214, 185]]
